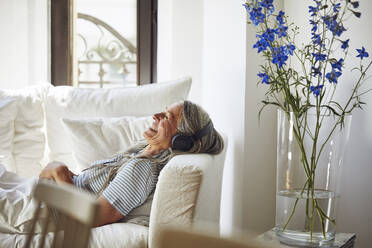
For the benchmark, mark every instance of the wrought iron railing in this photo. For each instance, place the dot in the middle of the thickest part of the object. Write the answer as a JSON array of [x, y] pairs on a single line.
[[114, 53]]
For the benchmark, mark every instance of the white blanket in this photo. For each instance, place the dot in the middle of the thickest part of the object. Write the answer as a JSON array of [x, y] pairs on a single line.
[[16, 204], [17, 209]]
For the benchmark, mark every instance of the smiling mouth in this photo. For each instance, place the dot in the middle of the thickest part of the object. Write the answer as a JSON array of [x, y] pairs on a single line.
[[154, 130]]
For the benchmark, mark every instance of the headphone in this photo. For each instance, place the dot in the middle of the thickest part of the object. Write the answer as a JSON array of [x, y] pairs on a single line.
[[184, 143]]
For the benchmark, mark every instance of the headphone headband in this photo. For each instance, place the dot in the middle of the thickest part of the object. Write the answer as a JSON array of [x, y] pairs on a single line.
[[204, 131], [185, 143]]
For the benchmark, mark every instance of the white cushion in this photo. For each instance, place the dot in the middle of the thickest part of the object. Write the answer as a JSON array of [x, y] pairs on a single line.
[[8, 113], [29, 138], [100, 138], [77, 103], [119, 235]]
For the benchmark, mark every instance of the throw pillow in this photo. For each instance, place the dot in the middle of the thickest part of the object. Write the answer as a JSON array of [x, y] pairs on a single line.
[[100, 138]]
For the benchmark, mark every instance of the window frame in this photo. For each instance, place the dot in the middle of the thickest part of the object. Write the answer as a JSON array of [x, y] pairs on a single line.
[[62, 29]]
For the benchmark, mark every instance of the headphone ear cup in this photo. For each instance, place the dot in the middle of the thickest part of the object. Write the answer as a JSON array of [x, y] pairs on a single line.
[[182, 143]]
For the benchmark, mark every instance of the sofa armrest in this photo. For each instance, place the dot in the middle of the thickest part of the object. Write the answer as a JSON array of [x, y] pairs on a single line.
[[189, 188]]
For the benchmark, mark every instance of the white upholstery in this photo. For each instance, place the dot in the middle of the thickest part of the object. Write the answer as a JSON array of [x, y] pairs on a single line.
[[24, 124], [29, 138], [76, 103], [17, 209], [8, 113], [97, 138], [189, 186], [188, 192]]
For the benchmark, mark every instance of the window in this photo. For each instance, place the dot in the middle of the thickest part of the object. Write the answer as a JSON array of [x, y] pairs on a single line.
[[103, 43]]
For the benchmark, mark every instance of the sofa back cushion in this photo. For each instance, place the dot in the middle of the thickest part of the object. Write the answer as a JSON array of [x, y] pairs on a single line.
[[22, 139], [8, 113], [76, 103], [29, 136], [100, 138]]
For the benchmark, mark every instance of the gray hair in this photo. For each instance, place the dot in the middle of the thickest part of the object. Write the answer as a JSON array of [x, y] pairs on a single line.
[[193, 119]]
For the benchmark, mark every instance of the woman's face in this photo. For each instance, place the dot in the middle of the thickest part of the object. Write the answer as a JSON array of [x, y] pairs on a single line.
[[164, 126]]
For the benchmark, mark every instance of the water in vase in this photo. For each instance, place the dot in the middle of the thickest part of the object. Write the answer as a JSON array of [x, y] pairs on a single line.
[[297, 230]]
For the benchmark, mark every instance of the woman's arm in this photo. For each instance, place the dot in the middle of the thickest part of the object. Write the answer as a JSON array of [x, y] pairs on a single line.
[[57, 172], [107, 213]]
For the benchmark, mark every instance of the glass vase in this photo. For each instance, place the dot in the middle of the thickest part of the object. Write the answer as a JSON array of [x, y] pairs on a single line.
[[310, 149]]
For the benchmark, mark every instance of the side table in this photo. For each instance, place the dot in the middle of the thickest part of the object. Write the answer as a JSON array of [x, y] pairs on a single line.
[[342, 240]]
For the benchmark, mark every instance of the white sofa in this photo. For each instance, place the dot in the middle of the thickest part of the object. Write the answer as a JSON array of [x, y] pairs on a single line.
[[34, 126]]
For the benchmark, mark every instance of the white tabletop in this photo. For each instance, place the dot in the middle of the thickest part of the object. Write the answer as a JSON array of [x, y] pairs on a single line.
[[342, 240]]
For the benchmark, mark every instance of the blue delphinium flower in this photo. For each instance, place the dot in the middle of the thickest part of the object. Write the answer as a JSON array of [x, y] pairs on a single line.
[[261, 45], [266, 4], [280, 55], [257, 16], [279, 17], [336, 7], [338, 65], [339, 30], [333, 76], [355, 4], [313, 10], [265, 78], [316, 71], [290, 48], [316, 89], [362, 53], [319, 56], [317, 40], [247, 7], [345, 44], [357, 14], [269, 34], [281, 31], [315, 26], [332, 24]]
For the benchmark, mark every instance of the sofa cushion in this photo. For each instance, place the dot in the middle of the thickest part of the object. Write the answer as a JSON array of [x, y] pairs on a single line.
[[29, 137], [68, 102], [119, 235], [22, 119], [8, 113], [100, 138]]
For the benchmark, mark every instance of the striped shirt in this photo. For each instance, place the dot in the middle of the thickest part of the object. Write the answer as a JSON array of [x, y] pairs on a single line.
[[130, 187]]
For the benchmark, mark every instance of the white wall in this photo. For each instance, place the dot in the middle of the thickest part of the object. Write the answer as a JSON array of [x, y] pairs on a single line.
[[209, 43], [23, 43], [180, 42], [13, 43], [260, 145], [224, 93], [356, 200]]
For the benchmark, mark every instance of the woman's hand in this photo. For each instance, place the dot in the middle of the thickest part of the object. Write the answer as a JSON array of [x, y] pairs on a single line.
[[57, 172]]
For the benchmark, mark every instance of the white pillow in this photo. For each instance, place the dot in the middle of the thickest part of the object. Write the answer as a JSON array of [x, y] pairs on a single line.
[[101, 138], [8, 113], [29, 137], [77, 103]]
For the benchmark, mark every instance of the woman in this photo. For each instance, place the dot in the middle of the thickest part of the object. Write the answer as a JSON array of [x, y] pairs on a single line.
[[125, 181]]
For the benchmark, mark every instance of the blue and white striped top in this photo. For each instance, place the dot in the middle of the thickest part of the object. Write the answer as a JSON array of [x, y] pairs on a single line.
[[130, 187]]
